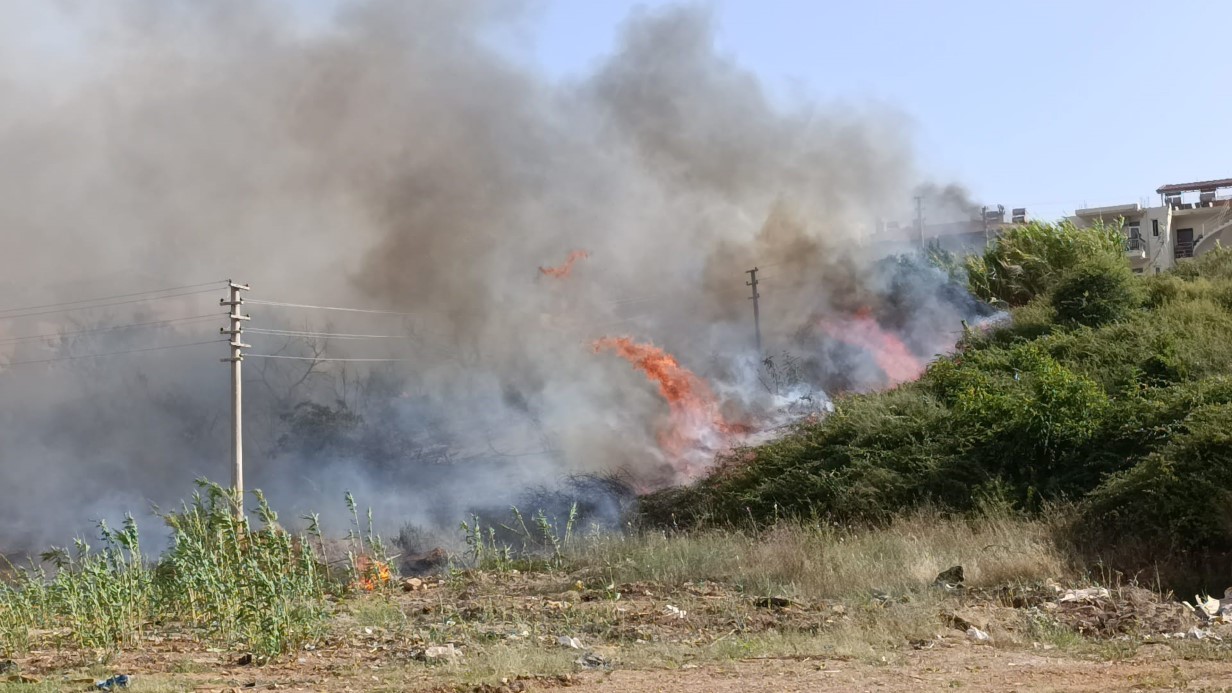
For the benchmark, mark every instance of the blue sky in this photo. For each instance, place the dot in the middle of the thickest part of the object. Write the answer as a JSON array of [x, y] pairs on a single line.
[[1045, 104]]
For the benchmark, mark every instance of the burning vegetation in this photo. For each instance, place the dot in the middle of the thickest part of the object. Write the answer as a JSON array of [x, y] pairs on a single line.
[[421, 187], [887, 351], [696, 429], [564, 270]]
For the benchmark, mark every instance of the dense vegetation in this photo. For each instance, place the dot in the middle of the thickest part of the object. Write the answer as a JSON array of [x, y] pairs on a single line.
[[259, 590], [1110, 393]]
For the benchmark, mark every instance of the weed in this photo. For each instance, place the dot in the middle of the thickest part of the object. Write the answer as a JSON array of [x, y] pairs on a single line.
[[261, 590]]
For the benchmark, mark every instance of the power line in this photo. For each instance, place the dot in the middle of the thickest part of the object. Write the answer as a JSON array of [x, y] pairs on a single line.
[[334, 335], [349, 310], [105, 305], [112, 353], [108, 329], [315, 358], [108, 298]]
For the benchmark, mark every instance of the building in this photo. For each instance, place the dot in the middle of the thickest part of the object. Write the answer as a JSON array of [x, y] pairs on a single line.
[[1192, 219], [961, 236]]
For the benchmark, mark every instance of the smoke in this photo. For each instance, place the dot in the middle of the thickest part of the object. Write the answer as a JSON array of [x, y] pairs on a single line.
[[393, 159], [947, 203]]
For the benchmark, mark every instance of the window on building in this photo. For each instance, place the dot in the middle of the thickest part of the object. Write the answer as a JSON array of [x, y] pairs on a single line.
[[1184, 243], [1158, 270], [1155, 229]]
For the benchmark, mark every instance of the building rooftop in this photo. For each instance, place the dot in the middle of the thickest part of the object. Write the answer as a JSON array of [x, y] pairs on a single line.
[[1109, 211], [1199, 186]]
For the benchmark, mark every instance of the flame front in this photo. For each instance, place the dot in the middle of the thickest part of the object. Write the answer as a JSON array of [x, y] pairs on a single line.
[[564, 270], [696, 429], [888, 351]]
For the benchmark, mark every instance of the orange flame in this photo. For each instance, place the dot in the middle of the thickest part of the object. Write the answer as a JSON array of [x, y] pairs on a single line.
[[563, 271], [888, 351], [696, 428], [371, 573]]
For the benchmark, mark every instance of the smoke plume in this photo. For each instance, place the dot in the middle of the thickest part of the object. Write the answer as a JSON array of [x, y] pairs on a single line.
[[394, 160]]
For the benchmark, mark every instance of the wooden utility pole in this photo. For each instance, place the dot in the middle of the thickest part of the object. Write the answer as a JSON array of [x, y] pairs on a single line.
[[756, 312], [919, 218], [235, 331]]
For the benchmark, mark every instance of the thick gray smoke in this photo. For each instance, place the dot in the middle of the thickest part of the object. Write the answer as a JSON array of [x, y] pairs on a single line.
[[394, 160]]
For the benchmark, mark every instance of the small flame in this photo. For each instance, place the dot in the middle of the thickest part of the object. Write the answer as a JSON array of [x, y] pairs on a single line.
[[888, 351], [563, 271], [371, 574], [696, 429]]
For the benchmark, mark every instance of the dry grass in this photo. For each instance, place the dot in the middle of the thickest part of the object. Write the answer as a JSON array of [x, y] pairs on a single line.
[[623, 598], [821, 562]]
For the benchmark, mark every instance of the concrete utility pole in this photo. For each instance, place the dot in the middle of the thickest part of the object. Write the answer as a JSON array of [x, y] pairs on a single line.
[[919, 218], [984, 220], [756, 313], [237, 401]]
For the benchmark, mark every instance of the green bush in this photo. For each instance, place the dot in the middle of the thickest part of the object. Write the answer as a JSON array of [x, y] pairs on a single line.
[[1027, 260], [1180, 497], [1097, 292]]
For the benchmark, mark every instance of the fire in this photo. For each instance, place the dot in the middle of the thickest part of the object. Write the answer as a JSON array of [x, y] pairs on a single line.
[[696, 428], [563, 271], [888, 351], [371, 573]]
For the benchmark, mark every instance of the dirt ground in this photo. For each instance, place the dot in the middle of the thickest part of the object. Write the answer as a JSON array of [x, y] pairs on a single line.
[[509, 633], [980, 669], [985, 670]]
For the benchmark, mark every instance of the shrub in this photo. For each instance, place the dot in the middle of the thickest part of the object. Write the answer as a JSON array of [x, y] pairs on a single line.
[[1097, 292], [1027, 260], [1017, 414], [1179, 498]]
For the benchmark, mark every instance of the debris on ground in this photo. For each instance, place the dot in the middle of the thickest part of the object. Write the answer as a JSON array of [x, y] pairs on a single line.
[[439, 653], [418, 585], [566, 641], [772, 602], [956, 622], [1211, 610], [950, 578], [1098, 612], [675, 611], [978, 635], [117, 681], [1084, 595], [590, 660], [419, 564]]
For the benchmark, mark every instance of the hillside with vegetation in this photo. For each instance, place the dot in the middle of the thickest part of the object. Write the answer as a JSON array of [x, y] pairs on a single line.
[[1107, 401]]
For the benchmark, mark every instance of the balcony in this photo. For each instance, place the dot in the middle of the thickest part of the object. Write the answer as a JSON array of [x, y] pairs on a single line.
[[1184, 249], [1135, 248]]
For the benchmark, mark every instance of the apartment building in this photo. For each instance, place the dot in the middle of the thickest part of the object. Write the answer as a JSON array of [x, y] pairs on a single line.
[[1191, 219], [962, 236]]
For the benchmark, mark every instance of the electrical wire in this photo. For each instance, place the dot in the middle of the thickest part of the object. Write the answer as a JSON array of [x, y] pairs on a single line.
[[315, 358], [105, 305], [112, 353], [332, 335], [212, 316], [257, 301], [109, 298]]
